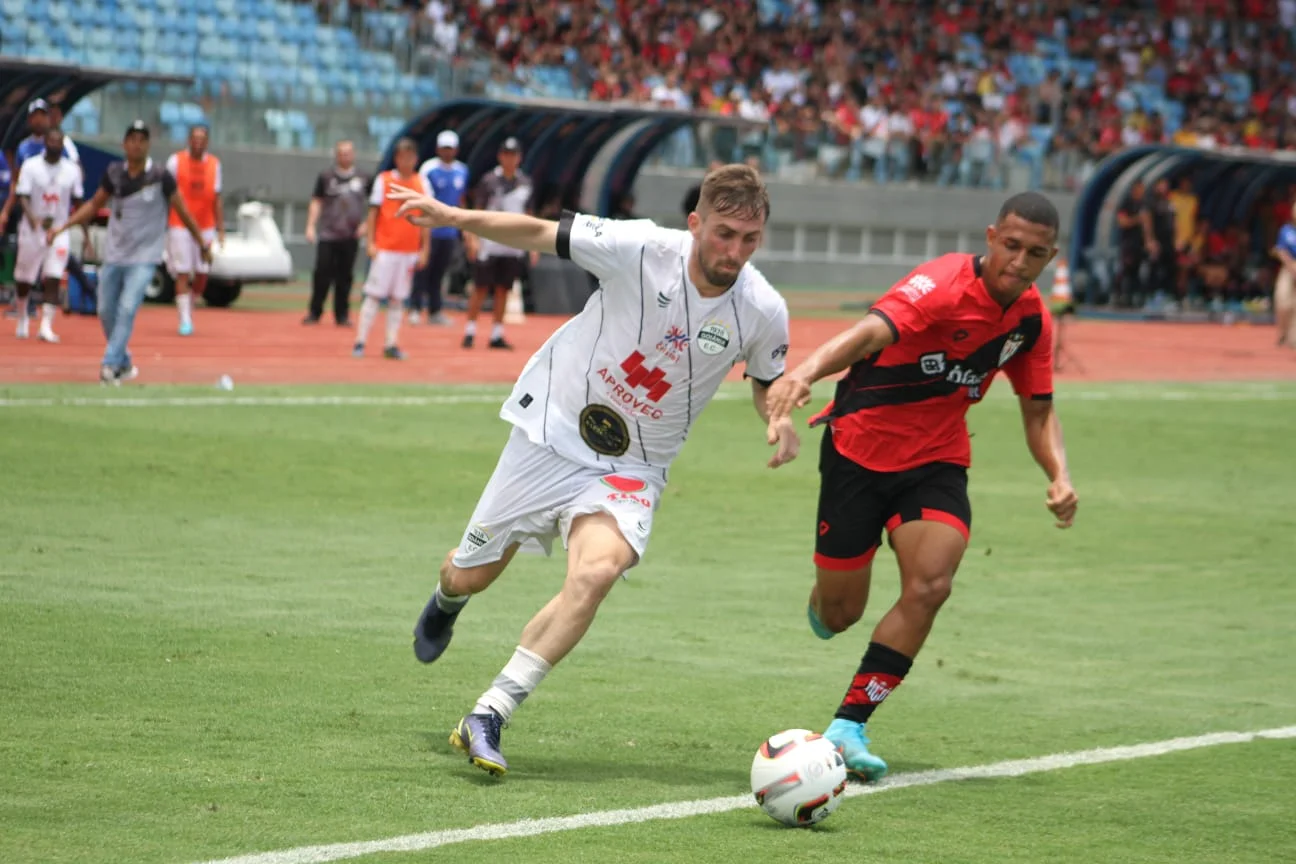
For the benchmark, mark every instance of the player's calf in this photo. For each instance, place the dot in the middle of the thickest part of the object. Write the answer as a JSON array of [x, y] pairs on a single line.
[[837, 599]]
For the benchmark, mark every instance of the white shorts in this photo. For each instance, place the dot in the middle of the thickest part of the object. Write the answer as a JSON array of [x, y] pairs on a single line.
[[39, 260], [534, 495], [390, 275], [184, 255]]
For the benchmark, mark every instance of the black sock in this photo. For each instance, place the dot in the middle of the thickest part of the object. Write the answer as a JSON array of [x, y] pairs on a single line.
[[880, 672]]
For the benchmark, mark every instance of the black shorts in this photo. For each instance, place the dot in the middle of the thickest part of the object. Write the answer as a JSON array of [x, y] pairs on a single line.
[[497, 271], [855, 504]]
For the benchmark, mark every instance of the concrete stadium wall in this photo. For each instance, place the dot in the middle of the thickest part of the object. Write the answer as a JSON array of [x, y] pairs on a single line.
[[821, 234]]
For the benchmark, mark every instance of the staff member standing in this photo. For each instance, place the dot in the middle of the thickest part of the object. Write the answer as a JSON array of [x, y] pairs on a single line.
[[498, 266], [338, 209], [139, 193], [198, 179], [448, 178]]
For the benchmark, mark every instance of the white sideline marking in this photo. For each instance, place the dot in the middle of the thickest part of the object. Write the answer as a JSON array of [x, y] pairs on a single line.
[[683, 809], [1240, 393]]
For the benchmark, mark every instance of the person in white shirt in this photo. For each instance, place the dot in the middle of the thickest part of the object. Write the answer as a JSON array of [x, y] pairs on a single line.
[[48, 189], [601, 410]]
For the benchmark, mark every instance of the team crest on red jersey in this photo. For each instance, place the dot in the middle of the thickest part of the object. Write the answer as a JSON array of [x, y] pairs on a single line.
[[1010, 347]]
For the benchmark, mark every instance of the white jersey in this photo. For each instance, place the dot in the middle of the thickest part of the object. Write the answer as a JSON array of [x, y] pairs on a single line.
[[50, 189], [619, 386]]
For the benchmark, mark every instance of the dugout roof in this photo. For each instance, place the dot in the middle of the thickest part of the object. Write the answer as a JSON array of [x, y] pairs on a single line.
[[1229, 184], [21, 81], [585, 155]]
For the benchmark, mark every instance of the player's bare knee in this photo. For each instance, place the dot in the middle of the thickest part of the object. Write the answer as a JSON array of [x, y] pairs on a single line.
[[588, 582], [464, 580], [840, 617], [929, 590]]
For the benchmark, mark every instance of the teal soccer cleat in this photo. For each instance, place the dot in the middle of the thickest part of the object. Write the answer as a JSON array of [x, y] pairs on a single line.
[[851, 740]]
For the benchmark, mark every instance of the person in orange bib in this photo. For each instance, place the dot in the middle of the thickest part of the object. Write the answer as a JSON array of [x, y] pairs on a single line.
[[198, 180], [398, 248]]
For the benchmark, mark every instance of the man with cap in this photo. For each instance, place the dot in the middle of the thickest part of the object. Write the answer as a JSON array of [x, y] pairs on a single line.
[[509, 190], [448, 179], [47, 191], [138, 193], [38, 123]]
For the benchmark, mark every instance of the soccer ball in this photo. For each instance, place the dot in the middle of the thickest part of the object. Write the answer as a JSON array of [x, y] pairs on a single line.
[[798, 777]]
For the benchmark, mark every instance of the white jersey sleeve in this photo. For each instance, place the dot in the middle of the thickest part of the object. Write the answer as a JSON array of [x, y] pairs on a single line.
[[604, 247], [766, 355], [378, 190], [173, 165]]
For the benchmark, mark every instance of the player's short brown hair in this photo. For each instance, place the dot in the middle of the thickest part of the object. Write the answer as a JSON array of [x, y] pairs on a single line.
[[406, 144], [735, 190]]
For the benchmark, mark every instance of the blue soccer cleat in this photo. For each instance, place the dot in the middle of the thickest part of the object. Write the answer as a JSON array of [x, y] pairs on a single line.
[[433, 631], [851, 740], [478, 735], [816, 625], [186, 328]]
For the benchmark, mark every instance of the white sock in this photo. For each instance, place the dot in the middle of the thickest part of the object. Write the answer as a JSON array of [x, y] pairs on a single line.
[[497, 332], [450, 602], [184, 302], [21, 303], [470, 329], [368, 312], [47, 317], [521, 675], [394, 312]]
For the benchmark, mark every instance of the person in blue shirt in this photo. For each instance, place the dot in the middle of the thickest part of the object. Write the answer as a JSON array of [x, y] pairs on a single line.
[[1284, 297], [448, 179]]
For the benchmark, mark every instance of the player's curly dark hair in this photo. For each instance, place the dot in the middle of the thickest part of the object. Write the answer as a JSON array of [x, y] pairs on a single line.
[[735, 190], [1033, 207]]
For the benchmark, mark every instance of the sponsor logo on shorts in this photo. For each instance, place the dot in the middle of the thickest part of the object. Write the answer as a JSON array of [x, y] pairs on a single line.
[[475, 538], [616, 497], [713, 339], [932, 364], [621, 483], [780, 351], [604, 430]]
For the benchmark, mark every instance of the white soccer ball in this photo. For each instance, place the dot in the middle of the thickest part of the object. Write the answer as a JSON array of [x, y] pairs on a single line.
[[798, 777]]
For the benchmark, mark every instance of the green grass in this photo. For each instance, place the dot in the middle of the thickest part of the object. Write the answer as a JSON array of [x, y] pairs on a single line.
[[205, 616]]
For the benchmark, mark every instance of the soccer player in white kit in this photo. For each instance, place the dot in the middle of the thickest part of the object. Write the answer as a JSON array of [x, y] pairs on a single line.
[[48, 188], [601, 411]]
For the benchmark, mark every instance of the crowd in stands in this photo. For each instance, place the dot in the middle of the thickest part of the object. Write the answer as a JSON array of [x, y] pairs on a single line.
[[965, 92]]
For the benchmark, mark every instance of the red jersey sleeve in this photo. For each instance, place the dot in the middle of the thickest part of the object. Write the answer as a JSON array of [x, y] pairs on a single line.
[[1031, 372], [910, 306]]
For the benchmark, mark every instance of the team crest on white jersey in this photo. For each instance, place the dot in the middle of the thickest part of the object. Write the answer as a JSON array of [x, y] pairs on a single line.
[[1010, 347], [713, 338]]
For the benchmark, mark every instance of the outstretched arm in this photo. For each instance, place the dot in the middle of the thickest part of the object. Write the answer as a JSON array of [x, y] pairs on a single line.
[[1044, 438], [515, 230], [792, 391]]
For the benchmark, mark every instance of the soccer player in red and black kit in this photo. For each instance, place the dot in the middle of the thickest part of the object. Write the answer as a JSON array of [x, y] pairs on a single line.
[[896, 451]]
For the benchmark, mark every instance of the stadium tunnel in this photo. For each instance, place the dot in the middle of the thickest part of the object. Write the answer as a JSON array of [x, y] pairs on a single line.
[[21, 81], [579, 155], [1229, 185]]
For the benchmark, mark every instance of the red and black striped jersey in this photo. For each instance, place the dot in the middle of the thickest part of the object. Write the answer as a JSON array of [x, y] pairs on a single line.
[[907, 405]]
